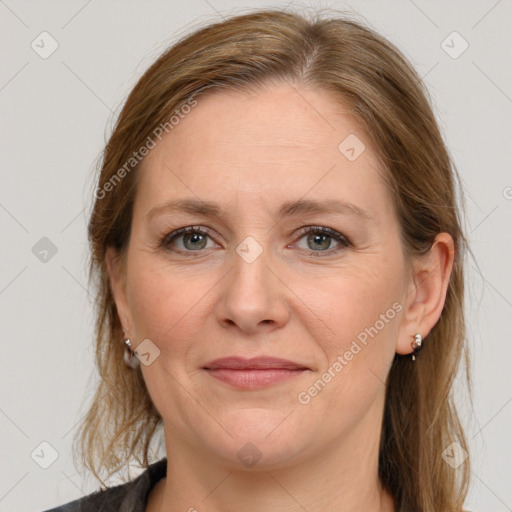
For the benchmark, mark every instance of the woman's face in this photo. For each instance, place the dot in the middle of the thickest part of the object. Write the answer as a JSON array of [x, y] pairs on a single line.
[[255, 280]]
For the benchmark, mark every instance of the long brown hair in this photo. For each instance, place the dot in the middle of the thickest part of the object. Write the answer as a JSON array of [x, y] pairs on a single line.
[[332, 53]]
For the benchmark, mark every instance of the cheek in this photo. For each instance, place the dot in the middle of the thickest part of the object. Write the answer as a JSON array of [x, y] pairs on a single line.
[[354, 301], [357, 336], [358, 315], [164, 303]]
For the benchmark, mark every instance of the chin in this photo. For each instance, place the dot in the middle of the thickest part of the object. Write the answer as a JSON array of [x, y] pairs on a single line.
[[260, 440]]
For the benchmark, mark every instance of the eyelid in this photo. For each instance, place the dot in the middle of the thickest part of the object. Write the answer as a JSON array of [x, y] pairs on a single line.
[[323, 230]]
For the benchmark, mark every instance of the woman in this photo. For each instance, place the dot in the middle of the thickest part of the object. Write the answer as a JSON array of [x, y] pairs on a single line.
[[275, 237]]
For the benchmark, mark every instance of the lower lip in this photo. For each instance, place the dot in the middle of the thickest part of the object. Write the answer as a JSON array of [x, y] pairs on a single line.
[[254, 379]]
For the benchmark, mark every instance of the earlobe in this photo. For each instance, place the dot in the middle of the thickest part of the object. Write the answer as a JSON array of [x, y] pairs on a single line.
[[427, 293]]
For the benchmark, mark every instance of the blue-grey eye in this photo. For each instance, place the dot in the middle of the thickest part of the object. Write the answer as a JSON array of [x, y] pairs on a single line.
[[320, 239], [319, 242], [188, 239], [194, 241]]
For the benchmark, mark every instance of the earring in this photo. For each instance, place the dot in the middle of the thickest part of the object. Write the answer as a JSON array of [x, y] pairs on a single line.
[[416, 345], [129, 356]]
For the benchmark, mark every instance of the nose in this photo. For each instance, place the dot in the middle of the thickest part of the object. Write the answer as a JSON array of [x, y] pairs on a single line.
[[254, 297]]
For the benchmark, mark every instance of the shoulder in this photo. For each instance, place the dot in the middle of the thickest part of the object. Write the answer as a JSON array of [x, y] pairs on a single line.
[[129, 496], [106, 500]]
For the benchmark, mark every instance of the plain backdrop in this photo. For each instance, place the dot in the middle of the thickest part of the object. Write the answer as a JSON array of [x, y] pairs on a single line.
[[56, 113]]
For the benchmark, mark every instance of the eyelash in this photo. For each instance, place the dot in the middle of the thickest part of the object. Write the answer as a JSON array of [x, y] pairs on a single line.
[[343, 241]]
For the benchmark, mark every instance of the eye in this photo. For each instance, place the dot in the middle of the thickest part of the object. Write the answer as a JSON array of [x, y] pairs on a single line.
[[321, 239], [192, 239], [188, 239]]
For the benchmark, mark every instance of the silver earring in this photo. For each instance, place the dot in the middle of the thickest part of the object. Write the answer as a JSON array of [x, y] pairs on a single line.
[[416, 345], [129, 356]]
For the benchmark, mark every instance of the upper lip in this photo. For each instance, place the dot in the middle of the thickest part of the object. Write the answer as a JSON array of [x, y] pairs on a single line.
[[255, 363]]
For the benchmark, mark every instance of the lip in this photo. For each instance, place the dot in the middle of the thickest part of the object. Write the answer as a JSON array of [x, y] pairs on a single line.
[[254, 363], [254, 373]]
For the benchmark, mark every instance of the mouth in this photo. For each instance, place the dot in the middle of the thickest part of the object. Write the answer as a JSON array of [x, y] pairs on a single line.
[[255, 373]]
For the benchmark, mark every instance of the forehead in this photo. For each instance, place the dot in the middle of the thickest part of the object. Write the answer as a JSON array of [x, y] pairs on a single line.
[[278, 143]]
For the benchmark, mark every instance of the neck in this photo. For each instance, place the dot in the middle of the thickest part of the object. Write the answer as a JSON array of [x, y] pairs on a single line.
[[343, 477]]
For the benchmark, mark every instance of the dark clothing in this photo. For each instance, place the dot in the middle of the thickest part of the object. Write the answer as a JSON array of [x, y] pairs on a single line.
[[129, 497]]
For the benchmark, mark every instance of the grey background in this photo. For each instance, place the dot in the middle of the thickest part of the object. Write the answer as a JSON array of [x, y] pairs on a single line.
[[56, 113]]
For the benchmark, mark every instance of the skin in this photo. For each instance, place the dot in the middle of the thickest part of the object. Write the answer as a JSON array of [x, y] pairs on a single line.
[[251, 153]]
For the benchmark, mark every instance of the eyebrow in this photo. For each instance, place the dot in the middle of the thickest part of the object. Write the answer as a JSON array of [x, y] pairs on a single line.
[[287, 209]]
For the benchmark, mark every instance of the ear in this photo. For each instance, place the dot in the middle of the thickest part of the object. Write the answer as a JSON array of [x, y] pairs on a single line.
[[426, 293], [116, 268]]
